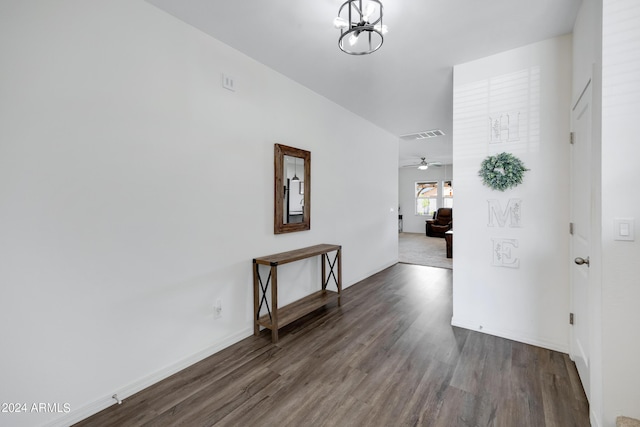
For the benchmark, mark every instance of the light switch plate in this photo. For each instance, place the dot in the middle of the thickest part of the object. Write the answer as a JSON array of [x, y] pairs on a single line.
[[624, 229]]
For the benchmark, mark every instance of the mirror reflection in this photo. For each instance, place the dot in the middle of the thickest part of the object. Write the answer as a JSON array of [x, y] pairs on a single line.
[[292, 188]]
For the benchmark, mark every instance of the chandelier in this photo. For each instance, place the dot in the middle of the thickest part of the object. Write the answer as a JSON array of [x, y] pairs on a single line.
[[361, 28]]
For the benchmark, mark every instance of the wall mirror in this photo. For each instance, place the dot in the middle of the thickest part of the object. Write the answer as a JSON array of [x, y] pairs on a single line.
[[292, 189]]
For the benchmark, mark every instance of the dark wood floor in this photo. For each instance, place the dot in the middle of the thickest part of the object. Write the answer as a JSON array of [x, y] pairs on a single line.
[[388, 357]]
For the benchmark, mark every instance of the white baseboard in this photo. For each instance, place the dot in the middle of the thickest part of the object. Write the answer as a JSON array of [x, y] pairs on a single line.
[[133, 388], [511, 335]]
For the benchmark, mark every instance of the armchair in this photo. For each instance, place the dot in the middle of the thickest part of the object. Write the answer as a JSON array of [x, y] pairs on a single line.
[[441, 223]]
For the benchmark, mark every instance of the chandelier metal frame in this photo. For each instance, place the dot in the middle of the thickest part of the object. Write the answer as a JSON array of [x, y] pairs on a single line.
[[363, 25]]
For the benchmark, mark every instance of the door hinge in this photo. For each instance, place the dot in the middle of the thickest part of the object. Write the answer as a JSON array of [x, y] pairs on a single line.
[[571, 228], [571, 137], [571, 318]]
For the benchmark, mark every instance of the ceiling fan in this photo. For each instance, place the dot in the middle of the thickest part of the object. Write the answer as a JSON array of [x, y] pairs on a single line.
[[423, 165]]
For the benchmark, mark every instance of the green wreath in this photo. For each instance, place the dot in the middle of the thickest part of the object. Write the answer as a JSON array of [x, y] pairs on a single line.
[[502, 171]]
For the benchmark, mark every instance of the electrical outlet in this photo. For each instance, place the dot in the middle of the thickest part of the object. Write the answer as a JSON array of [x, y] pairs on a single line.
[[217, 309], [227, 82]]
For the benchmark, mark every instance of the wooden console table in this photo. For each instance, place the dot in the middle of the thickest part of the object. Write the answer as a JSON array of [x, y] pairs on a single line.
[[276, 316]]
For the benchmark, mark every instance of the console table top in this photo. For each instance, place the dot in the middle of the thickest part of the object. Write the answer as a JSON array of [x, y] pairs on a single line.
[[295, 255]]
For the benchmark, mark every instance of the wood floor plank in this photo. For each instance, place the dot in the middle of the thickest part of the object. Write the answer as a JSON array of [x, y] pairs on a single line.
[[463, 409], [471, 364], [401, 392], [526, 397], [496, 376], [350, 412], [425, 404], [560, 405], [574, 379], [218, 398], [388, 356], [521, 408]]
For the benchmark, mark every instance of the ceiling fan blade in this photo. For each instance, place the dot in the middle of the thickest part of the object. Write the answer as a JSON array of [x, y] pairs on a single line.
[[423, 162]]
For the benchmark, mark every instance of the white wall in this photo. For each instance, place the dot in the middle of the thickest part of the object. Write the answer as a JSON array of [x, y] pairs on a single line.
[[120, 157], [528, 303], [620, 183], [411, 222]]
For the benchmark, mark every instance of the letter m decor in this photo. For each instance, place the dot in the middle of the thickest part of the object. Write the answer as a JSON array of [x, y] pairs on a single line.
[[511, 215]]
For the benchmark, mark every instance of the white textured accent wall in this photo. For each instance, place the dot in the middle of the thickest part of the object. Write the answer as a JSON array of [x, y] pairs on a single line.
[[135, 191], [512, 279]]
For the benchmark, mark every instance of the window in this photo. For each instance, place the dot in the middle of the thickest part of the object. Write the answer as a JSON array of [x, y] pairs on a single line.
[[426, 198], [447, 194]]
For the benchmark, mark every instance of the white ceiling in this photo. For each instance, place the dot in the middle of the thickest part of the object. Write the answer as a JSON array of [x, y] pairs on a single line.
[[406, 86]]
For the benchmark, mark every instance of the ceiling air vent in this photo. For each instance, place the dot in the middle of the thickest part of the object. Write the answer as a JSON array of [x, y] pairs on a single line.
[[423, 135]]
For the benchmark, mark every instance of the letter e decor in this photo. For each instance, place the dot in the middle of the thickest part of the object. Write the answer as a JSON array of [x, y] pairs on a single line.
[[503, 255]]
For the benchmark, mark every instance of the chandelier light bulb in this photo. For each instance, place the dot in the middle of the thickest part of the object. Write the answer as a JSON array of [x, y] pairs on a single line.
[[369, 10], [353, 39], [340, 23], [382, 28]]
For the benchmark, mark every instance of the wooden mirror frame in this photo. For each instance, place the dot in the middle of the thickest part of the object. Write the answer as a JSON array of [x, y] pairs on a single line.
[[279, 226]]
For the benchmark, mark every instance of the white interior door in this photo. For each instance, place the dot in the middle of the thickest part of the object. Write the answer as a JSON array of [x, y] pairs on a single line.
[[580, 236]]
